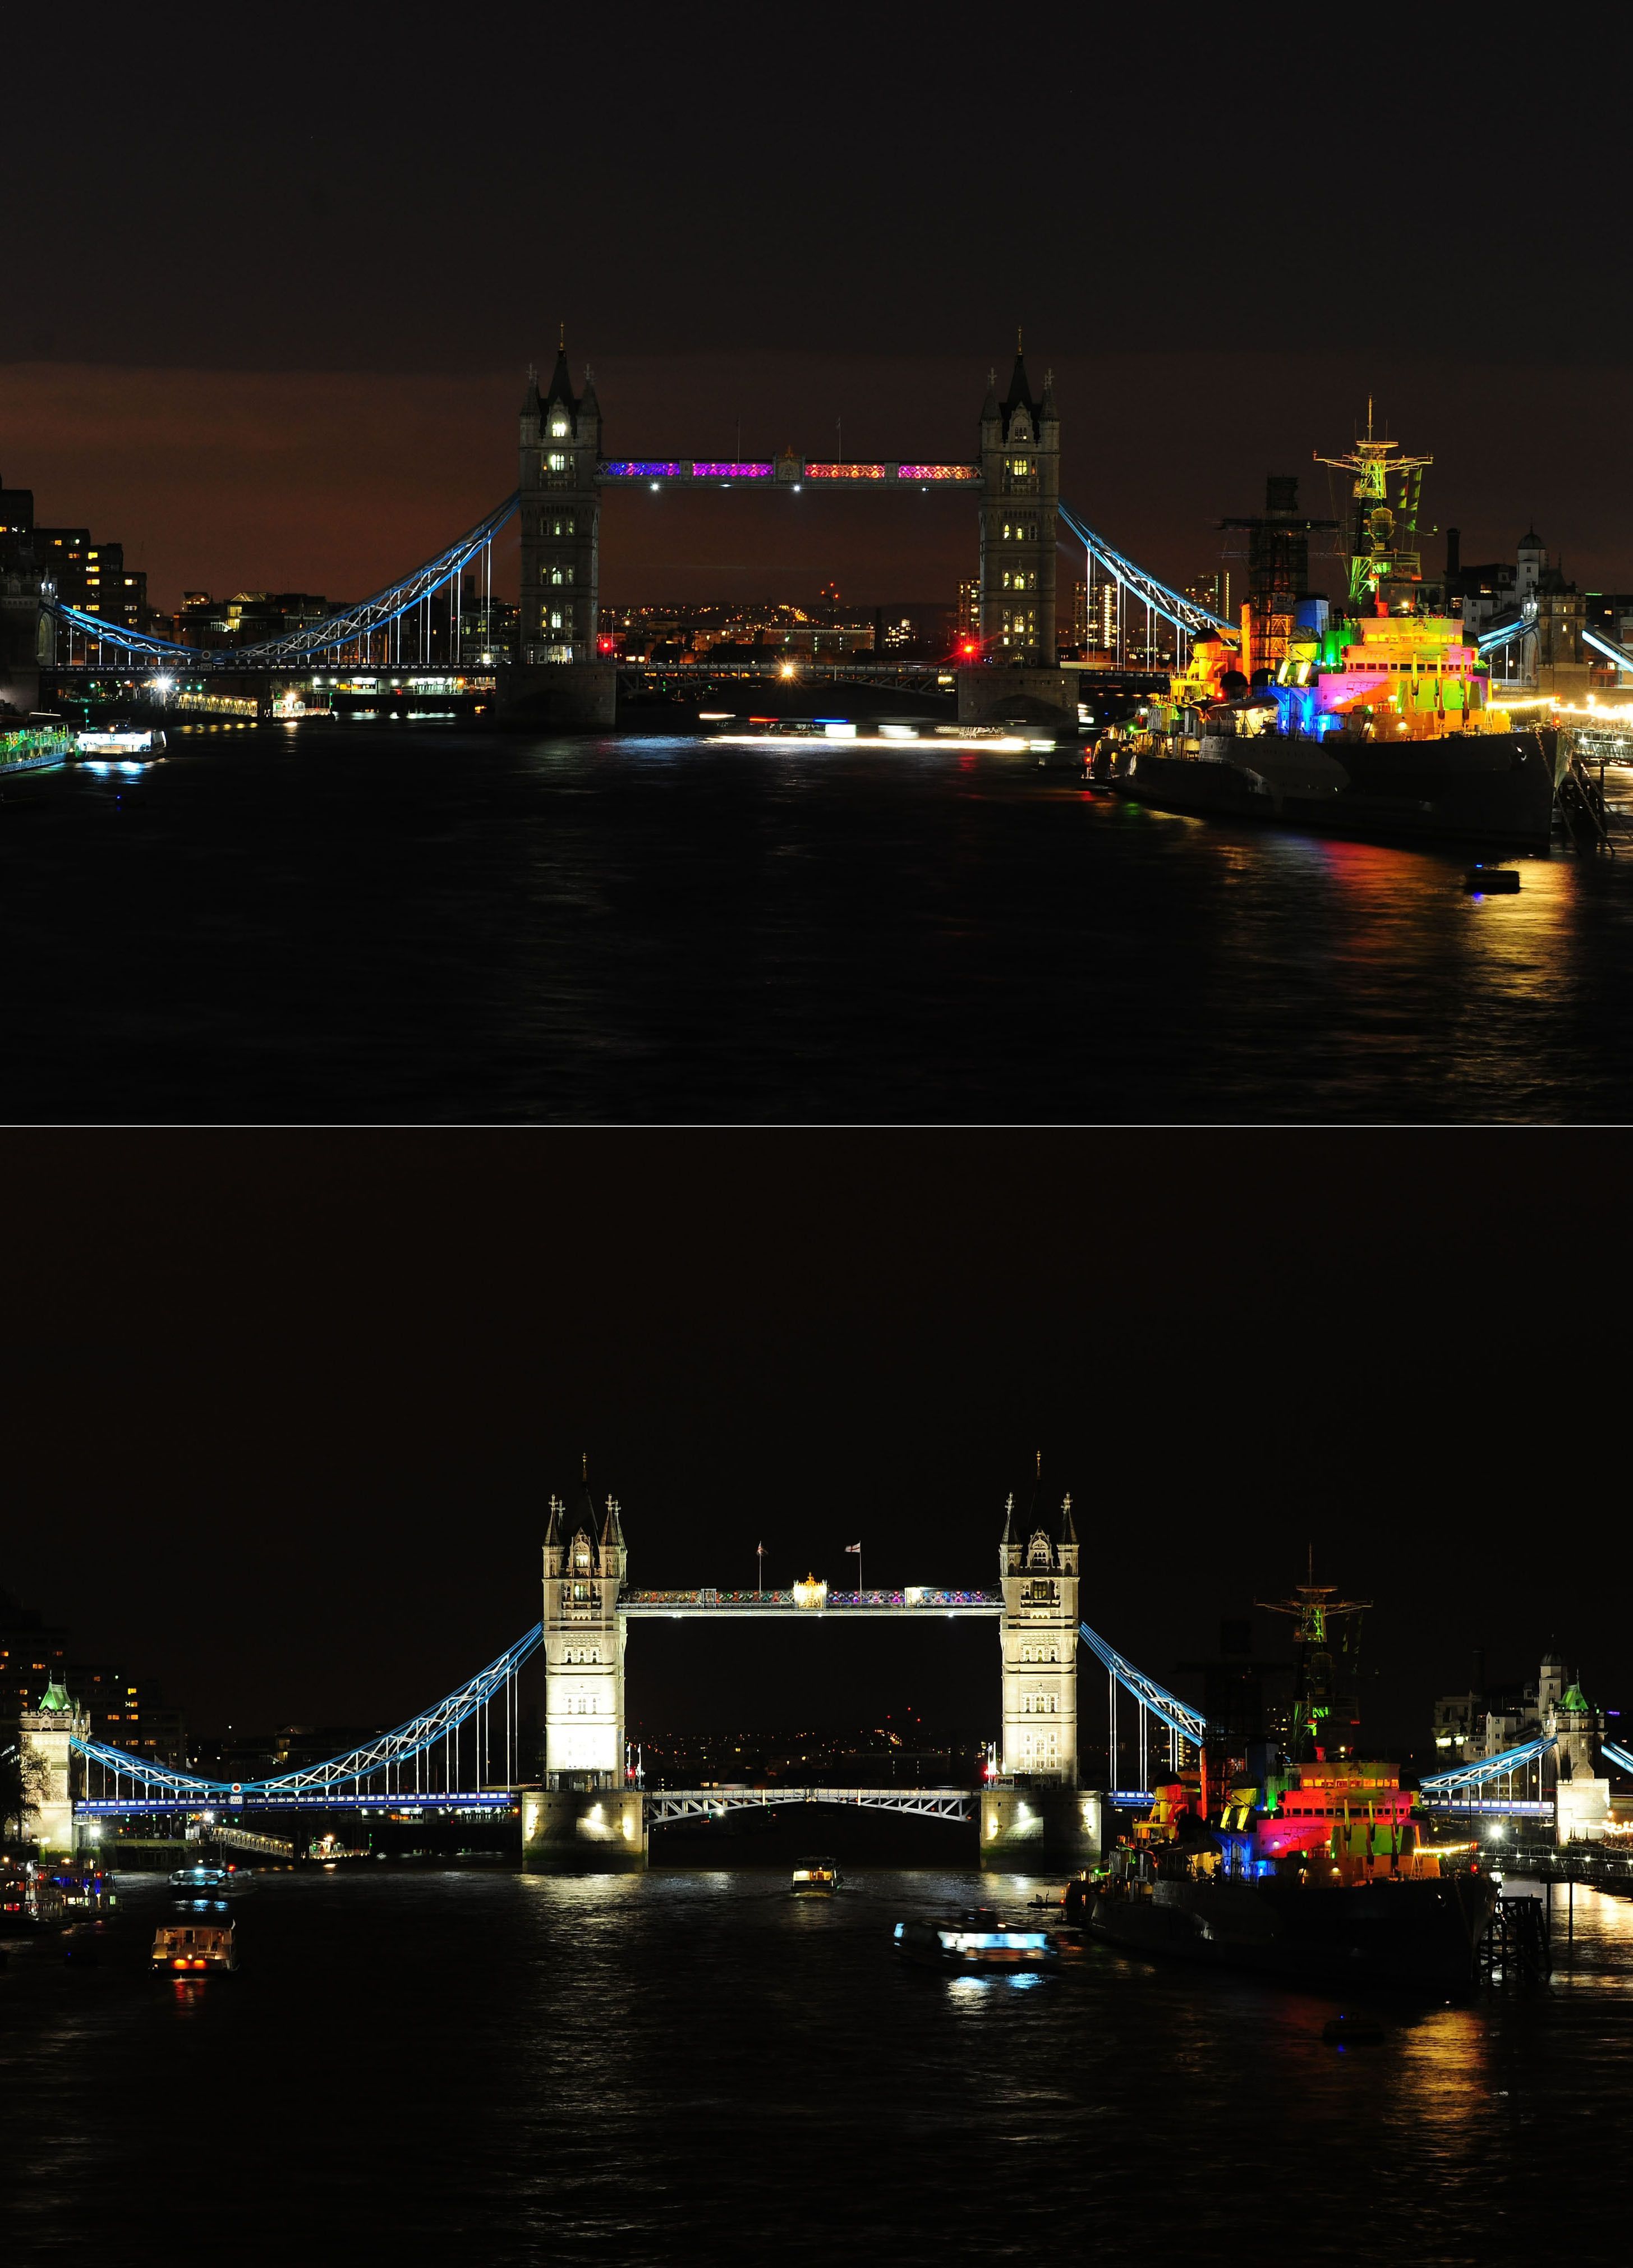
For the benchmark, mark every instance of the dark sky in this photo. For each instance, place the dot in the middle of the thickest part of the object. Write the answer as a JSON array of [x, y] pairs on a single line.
[[281, 1413], [273, 277]]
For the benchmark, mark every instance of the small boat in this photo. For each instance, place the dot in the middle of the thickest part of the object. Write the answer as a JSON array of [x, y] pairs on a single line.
[[974, 1942], [817, 1878], [189, 1947], [204, 1879]]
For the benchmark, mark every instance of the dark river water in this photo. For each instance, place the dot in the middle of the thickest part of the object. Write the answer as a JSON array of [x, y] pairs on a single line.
[[492, 2067], [358, 923]]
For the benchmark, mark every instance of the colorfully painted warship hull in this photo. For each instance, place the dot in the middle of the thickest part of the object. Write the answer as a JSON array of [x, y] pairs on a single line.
[[1491, 788], [1419, 1935]]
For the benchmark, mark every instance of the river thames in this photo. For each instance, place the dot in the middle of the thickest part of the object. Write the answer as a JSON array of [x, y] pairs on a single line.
[[421, 2066], [355, 922]]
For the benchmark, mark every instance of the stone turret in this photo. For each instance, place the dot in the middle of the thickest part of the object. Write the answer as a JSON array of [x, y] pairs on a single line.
[[48, 1733]]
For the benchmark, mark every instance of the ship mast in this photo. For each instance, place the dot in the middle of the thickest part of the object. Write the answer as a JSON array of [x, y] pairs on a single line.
[[1315, 1606], [1378, 553]]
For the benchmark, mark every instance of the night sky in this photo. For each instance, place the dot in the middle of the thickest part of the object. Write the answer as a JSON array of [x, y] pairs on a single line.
[[282, 1413], [276, 277]]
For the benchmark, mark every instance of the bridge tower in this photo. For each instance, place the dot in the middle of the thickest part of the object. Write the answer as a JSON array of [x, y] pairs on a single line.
[[585, 1564], [584, 1819], [560, 447], [1020, 500], [1036, 1817], [1039, 1570]]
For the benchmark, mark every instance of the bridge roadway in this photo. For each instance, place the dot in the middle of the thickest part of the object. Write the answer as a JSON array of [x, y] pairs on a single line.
[[744, 1606]]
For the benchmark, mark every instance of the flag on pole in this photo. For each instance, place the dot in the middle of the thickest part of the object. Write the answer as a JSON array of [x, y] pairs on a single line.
[[853, 1547]]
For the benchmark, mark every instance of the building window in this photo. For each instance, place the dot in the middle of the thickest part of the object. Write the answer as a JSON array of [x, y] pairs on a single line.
[[557, 461], [562, 524], [558, 426]]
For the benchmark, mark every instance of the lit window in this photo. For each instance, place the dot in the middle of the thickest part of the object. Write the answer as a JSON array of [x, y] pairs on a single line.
[[557, 461], [558, 426]]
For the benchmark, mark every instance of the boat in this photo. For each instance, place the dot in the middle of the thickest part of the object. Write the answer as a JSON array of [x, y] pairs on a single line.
[[1375, 721], [85, 1888], [816, 1877], [1331, 1883], [119, 738], [40, 745], [29, 1899], [205, 1878], [974, 1943], [192, 1946], [1312, 1869]]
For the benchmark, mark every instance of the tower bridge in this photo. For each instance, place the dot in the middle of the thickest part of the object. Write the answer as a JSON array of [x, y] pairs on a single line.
[[564, 671], [464, 1755]]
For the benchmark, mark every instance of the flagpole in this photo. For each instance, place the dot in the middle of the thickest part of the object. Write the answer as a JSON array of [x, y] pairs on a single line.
[[760, 1578]]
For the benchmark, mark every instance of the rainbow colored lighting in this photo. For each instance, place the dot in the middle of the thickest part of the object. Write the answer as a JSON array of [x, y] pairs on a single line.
[[940, 472], [733, 472], [641, 469], [847, 472]]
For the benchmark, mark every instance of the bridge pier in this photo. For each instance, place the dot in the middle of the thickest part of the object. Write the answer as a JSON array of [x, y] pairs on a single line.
[[565, 697], [583, 1831], [1040, 1830]]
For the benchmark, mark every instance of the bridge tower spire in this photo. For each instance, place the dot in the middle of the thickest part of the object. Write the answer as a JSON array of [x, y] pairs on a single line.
[[1020, 499]]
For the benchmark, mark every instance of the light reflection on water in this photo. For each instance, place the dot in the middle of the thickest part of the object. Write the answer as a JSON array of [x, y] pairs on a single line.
[[448, 925], [647, 2068]]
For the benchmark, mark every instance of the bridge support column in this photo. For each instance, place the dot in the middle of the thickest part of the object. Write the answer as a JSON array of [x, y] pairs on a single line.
[[583, 1831], [1040, 1830]]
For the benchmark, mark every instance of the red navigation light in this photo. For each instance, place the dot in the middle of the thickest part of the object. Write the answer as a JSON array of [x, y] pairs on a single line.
[[967, 645], [603, 646]]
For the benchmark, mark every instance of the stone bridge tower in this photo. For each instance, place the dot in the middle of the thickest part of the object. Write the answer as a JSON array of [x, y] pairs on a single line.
[[560, 447], [584, 1562], [1036, 1817], [1039, 1567], [584, 1818], [1020, 499]]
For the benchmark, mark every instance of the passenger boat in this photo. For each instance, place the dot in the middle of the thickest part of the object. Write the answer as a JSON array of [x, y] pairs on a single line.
[[121, 740], [1375, 720], [190, 1946], [39, 746], [974, 1943], [815, 1877]]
